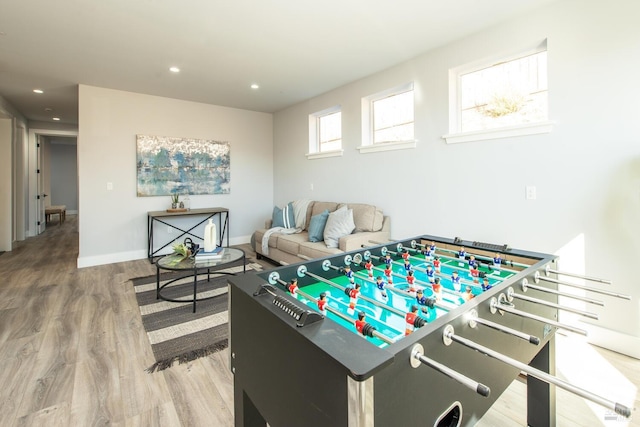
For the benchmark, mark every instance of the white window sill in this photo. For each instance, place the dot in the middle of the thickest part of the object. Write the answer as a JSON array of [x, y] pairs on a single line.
[[387, 146], [506, 132], [324, 154]]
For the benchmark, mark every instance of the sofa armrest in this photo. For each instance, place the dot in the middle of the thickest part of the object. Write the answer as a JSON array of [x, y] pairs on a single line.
[[267, 223]]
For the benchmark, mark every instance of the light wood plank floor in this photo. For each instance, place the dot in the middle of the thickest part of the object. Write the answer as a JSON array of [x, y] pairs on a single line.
[[74, 352]]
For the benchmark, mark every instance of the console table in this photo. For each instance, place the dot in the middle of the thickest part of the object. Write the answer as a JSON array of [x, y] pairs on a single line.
[[153, 217]]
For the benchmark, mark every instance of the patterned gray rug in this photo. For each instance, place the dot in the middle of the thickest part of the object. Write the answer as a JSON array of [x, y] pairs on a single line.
[[176, 333]]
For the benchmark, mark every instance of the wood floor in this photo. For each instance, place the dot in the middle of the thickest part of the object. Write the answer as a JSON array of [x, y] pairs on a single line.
[[73, 352]]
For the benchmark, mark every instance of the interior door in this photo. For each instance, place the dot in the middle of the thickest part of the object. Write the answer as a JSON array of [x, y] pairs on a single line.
[[41, 198]]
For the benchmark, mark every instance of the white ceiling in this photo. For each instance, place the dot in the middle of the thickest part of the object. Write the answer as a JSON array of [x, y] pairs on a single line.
[[294, 49]]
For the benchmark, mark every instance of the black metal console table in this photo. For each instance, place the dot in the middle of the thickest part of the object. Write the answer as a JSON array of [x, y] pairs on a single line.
[[222, 215]]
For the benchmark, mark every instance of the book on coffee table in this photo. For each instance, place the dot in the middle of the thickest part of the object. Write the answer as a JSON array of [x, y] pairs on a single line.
[[203, 255]]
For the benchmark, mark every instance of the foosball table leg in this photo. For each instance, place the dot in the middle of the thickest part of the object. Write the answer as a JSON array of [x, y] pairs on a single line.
[[541, 396], [246, 413]]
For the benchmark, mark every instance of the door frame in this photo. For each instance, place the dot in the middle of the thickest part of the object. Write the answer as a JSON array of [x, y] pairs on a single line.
[[36, 205]]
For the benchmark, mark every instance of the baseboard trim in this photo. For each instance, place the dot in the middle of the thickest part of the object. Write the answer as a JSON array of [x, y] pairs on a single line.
[[90, 261], [613, 340]]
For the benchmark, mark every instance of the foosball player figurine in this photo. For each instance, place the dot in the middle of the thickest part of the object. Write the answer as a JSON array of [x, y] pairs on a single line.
[[497, 262], [437, 288], [411, 280], [474, 272], [322, 303], [380, 284], [430, 272], [468, 294], [485, 284], [423, 300], [388, 272], [349, 273], [427, 252], [405, 255], [436, 264], [387, 259], [352, 293], [366, 329], [413, 320], [293, 287], [472, 261], [462, 253], [407, 265], [455, 281], [369, 267]]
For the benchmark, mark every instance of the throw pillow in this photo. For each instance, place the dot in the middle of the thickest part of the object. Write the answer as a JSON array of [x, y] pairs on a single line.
[[283, 217], [316, 226], [340, 223]]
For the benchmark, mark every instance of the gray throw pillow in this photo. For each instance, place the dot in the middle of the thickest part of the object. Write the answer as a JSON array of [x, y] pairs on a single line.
[[339, 224]]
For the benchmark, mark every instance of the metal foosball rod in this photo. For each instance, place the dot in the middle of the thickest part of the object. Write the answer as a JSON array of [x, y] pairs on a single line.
[[417, 354], [537, 277], [511, 294], [302, 271], [525, 285], [501, 304], [443, 305], [450, 336], [373, 333], [548, 270], [474, 320], [444, 289]]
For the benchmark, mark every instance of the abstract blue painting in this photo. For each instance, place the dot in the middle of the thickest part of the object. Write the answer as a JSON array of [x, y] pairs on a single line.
[[167, 165]]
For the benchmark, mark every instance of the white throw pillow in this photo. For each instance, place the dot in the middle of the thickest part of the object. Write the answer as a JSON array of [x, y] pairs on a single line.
[[340, 223]]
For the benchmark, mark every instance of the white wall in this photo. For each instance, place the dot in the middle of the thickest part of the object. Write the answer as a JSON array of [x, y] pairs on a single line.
[[64, 174], [113, 224], [6, 187], [587, 171]]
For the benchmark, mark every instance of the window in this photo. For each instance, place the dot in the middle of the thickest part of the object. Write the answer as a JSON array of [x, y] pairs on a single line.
[[500, 99], [388, 120], [325, 133]]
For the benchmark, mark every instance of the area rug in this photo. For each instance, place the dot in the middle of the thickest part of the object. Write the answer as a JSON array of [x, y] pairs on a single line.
[[176, 333]]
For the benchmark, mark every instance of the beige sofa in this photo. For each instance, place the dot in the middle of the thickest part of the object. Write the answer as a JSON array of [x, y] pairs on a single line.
[[371, 226]]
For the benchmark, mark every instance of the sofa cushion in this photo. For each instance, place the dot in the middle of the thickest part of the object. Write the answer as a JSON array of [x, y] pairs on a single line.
[[284, 217], [316, 226], [316, 250], [366, 217], [340, 223], [290, 242]]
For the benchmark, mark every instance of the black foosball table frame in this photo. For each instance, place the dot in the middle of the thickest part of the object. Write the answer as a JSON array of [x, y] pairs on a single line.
[[292, 368]]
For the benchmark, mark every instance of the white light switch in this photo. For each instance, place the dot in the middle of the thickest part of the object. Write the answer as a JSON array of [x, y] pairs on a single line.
[[109, 186], [530, 191]]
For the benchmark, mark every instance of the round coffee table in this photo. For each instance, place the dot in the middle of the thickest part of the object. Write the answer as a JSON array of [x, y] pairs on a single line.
[[192, 268]]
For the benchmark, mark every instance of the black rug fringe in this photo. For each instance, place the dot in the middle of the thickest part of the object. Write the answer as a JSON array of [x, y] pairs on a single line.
[[189, 356]]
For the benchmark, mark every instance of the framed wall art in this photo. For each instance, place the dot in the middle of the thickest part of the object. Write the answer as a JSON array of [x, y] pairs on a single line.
[[168, 165]]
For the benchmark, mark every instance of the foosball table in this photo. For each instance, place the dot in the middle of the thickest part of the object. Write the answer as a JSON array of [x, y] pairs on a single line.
[[425, 331]]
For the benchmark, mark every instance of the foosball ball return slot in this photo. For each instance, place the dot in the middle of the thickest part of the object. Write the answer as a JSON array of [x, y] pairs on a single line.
[[344, 350]]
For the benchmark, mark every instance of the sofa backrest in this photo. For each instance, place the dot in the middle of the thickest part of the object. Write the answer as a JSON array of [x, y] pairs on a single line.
[[318, 207], [366, 217]]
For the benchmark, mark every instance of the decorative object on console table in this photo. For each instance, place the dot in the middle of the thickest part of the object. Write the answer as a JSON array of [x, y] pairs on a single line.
[[176, 204], [210, 241]]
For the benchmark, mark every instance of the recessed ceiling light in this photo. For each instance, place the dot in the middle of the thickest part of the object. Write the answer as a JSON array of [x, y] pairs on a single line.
[[48, 109], [174, 69], [38, 91], [57, 119], [255, 86]]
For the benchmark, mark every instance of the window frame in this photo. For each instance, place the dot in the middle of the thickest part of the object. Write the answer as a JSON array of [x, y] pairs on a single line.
[[368, 144], [455, 101], [314, 134]]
